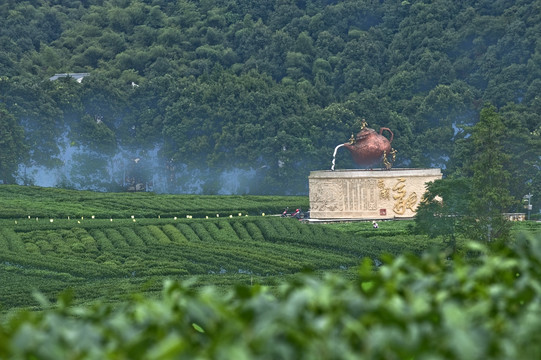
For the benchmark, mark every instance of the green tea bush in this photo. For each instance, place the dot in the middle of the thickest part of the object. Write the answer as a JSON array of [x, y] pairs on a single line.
[[174, 234], [88, 242], [144, 233], [103, 243], [57, 242], [166, 271], [116, 238], [254, 232], [19, 202], [241, 231], [158, 234], [268, 229], [4, 243], [201, 232], [290, 228], [227, 230], [131, 237], [219, 234], [47, 275], [188, 232], [44, 246], [33, 236], [32, 248], [77, 248]]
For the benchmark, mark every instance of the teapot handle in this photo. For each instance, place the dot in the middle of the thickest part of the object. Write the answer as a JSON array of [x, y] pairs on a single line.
[[389, 130]]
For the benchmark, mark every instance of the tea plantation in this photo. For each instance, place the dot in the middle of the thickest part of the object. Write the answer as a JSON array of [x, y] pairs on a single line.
[[142, 276], [58, 239]]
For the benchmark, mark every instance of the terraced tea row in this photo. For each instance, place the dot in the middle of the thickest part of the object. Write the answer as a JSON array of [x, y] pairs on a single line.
[[22, 201], [233, 241], [79, 252]]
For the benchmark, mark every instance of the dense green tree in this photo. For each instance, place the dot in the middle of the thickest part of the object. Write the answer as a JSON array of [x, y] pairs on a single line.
[[218, 79], [94, 134], [472, 202], [29, 100], [523, 144], [13, 150], [443, 210], [438, 116], [490, 195]]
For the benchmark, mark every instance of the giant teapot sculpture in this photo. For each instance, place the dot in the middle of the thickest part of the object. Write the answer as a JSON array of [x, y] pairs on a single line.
[[368, 147]]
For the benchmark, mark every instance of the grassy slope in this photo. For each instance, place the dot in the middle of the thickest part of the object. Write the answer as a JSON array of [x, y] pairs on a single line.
[[100, 258], [103, 259], [110, 260], [29, 201]]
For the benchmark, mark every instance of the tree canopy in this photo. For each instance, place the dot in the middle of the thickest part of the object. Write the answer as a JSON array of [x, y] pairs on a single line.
[[267, 87]]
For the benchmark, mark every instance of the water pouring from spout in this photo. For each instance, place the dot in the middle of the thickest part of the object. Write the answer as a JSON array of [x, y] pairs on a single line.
[[334, 156]]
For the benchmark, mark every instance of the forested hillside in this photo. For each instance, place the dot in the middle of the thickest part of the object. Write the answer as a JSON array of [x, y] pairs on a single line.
[[248, 96]]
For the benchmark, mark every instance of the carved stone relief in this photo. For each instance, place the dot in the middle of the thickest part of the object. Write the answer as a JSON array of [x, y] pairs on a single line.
[[367, 194], [360, 194], [325, 195]]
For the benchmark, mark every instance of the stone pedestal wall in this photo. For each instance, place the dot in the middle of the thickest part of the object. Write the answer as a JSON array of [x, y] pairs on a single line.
[[368, 194]]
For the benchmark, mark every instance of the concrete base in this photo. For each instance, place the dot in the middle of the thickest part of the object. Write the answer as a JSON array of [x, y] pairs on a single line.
[[368, 194]]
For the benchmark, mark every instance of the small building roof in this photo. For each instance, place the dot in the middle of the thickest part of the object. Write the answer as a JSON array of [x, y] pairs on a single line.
[[77, 76]]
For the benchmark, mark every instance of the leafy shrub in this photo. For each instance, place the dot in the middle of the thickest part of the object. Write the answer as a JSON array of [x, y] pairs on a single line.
[[131, 237], [57, 242], [219, 234], [31, 248], [116, 238], [290, 228], [174, 234], [188, 232], [254, 231], [4, 243], [411, 308], [158, 234], [267, 229], [18, 202], [144, 233], [103, 243], [88, 242], [44, 246], [241, 231], [201, 232], [77, 248], [166, 271]]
